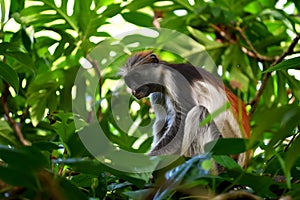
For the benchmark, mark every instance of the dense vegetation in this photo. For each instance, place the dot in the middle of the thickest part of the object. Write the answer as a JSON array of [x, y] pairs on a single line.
[[52, 108]]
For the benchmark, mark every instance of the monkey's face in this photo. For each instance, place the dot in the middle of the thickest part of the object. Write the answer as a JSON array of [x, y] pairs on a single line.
[[136, 83], [144, 80], [141, 92], [141, 86]]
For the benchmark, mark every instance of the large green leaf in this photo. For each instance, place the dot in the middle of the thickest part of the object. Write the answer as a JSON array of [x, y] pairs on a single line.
[[18, 177], [270, 120], [95, 168], [293, 63], [227, 146], [227, 162], [6, 134], [135, 5], [9, 75], [25, 158], [138, 18]]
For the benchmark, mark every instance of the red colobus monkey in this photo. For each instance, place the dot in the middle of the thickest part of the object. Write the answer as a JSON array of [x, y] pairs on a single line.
[[182, 96]]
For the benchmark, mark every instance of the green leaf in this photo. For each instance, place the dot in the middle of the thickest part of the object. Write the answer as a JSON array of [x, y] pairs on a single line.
[[233, 57], [289, 121], [38, 102], [269, 93], [95, 168], [202, 38], [9, 75], [237, 75], [18, 177], [185, 4], [297, 4], [293, 63], [22, 58], [294, 84], [6, 134], [16, 6], [139, 194], [83, 180], [282, 90], [45, 146], [292, 153], [138, 18], [270, 119], [112, 10], [65, 126], [227, 146], [135, 5], [70, 191], [253, 7], [260, 184], [25, 158], [227, 162]]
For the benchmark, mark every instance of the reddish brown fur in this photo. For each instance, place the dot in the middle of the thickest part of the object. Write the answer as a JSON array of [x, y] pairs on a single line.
[[238, 108]]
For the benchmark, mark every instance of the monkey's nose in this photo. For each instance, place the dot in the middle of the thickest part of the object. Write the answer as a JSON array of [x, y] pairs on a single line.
[[133, 92]]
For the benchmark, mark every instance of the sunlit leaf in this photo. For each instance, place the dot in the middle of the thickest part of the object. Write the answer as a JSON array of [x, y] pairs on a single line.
[[227, 162], [138, 18], [293, 63]]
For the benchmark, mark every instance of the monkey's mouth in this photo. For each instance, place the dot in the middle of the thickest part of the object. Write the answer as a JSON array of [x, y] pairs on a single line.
[[139, 94]]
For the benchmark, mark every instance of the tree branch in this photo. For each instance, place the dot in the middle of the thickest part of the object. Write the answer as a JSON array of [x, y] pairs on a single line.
[[223, 33], [290, 50], [253, 53], [13, 123], [98, 71]]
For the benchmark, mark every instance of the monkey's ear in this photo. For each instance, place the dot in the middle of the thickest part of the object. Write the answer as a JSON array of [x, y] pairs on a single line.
[[153, 58], [148, 57]]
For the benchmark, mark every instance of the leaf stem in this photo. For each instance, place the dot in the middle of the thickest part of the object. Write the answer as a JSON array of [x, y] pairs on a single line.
[[13, 123]]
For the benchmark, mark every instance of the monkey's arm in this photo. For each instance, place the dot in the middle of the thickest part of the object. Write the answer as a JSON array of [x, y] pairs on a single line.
[[170, 141]]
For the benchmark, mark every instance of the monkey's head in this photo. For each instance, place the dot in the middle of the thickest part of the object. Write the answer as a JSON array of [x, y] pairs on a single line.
[[142, 74]]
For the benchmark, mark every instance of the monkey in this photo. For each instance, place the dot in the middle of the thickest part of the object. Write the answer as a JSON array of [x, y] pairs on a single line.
[[182, 96]]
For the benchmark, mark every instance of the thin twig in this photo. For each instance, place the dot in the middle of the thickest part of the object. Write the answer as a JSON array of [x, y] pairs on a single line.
[[290, 50], [223, 33], [290, 142], [98, 71], [13, 123], [253, 53]]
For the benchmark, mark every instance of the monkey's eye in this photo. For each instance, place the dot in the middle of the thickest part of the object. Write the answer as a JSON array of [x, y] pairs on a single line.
[[154, 59]]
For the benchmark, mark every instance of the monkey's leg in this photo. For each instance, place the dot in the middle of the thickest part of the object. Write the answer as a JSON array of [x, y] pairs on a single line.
[[197, 135]]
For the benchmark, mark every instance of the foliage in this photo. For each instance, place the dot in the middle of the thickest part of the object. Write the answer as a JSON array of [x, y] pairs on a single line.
[[43, 43]]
